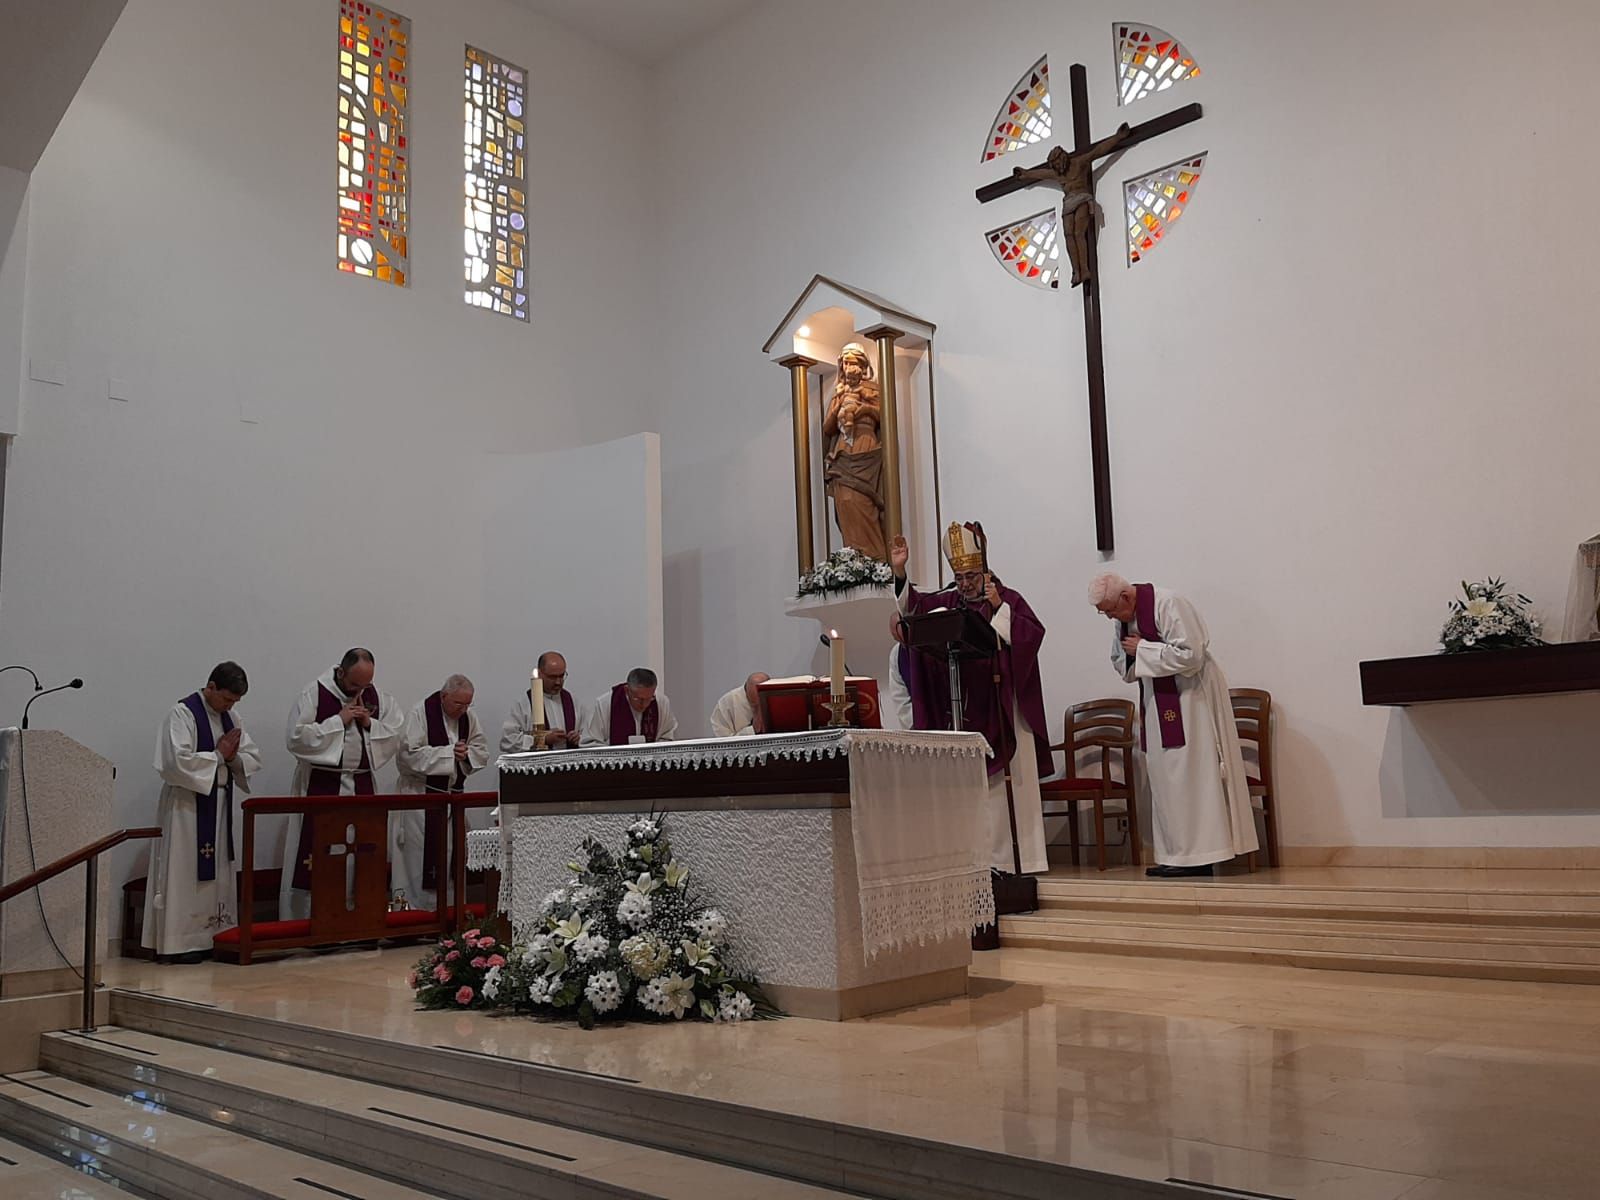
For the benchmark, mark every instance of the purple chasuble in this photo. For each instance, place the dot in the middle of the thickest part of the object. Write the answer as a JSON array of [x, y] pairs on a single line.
[[205, 806], [1165, 687], [567, 710], [928, 680], [622, 718], [324, 781], [433, 819]]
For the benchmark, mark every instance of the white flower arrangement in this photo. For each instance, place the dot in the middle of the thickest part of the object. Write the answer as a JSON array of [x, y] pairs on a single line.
[[1489, 619], [628, 938], [844, 570]]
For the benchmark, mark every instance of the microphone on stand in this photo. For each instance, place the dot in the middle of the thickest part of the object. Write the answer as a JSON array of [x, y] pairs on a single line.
[[76, 683], [828, 641], [37, 686]]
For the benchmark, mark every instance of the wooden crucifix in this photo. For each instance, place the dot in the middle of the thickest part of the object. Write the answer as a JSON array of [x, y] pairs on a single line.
[[1073, 172]]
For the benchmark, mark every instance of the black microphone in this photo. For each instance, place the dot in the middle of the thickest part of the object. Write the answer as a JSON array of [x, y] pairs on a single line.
[[76, 683], [37, 686], [828, 641]]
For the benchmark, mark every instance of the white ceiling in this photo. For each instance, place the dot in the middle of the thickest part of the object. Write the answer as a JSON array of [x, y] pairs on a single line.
[[647, 31]]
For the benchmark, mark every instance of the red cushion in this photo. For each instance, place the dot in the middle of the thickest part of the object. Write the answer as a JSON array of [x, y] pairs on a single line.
[[1074, 785], [264, 930]]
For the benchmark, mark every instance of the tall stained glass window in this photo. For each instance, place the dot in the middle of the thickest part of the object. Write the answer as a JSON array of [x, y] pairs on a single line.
[[496, 214], [374, 180], [1155, 202]]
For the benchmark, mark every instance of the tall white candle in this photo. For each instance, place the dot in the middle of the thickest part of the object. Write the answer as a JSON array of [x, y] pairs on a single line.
[[836, 662], [537, 688]]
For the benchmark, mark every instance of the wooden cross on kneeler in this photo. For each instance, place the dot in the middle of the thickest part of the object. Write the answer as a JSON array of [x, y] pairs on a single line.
[[338, 837], [1073, 172]]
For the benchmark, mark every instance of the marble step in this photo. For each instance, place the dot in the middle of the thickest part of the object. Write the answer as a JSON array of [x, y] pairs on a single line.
[[29, 1174], [1291, 945], [448, 1147], [1577, 909], [1582, 946], [864, 1161], [133, 1138]]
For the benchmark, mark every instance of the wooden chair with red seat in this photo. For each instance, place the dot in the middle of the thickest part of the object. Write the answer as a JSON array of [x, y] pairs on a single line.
[[1107, 726], [1252, 713]]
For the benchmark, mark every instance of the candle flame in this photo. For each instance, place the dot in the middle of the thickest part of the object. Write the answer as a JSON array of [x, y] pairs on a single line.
[[833, 633]]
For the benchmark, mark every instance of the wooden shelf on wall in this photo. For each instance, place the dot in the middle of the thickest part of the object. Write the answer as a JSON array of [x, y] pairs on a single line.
[[1485, 675]]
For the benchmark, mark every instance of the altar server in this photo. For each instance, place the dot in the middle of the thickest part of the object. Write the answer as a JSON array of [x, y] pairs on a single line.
[[560, 712], [1200, 797], [202, 754], [738, 714], [1010, 714], [442, 745], [633, 710], [342, 730]]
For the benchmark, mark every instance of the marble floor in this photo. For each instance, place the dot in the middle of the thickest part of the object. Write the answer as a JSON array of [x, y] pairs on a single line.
[[1317, 1085]]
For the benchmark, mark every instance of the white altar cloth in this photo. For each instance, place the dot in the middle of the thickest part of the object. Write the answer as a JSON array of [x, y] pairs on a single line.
[[917, 808]]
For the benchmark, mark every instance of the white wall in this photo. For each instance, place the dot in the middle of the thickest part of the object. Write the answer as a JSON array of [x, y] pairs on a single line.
[[182, 240], [1358, 371], [13, 289]]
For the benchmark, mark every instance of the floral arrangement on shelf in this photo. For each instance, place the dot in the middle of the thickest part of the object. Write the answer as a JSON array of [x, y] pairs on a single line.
[[628, 937], [844, 570], [1489, 619]]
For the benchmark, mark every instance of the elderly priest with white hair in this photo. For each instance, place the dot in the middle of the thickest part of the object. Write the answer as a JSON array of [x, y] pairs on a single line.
[[1200, 796], [633, 711], [443, 743], [342, 730]]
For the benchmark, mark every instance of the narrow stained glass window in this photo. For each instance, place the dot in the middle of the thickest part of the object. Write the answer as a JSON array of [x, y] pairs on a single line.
[[374, 180], [1030, 250], [1024, 116], [1156, 201], [496, 214], [1149, 60]]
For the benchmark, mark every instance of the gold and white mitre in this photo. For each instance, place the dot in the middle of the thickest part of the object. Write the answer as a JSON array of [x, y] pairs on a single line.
[[961, 548]]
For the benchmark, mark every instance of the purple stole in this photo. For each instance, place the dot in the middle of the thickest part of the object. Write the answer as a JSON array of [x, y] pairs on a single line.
[[324, 781], [1165, 687], [622, 717], [433, 819], [205, 806], [567, 710]]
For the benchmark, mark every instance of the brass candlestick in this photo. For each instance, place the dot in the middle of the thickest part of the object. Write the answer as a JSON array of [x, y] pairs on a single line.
[[839, 705]]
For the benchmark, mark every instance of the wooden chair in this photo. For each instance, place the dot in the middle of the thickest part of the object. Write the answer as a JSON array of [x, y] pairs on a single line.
[[1252, 713], [1106, 726]]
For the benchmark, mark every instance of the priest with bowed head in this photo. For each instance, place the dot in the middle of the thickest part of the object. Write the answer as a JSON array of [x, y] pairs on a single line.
[[202, 754], [1199, 794], [738, 714], [342, 730], [560, 713], [633, 711], [1013, 720], [443, 743]]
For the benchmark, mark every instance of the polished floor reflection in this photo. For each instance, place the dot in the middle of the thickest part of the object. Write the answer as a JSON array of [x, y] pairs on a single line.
[[1310, 1084]]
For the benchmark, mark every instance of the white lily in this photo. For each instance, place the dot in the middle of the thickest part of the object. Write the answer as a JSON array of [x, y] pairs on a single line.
[[644, 885], [572, 928], [697, 956], [677, 876], [1482, 608]]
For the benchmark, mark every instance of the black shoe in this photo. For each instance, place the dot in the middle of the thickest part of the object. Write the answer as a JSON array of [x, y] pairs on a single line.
[[1170, 872]]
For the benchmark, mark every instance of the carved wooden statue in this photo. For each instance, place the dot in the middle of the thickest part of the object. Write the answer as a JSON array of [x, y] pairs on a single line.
[[853, 467]]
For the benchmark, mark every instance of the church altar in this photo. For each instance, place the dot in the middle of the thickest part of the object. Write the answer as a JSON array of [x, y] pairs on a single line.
[[851, 864]]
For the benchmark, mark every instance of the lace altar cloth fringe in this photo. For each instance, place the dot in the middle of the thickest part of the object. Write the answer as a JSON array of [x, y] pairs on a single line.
[[483, 850], [746, 751]]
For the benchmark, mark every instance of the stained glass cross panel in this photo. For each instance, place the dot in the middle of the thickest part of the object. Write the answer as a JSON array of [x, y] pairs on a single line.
[[1154, 203]]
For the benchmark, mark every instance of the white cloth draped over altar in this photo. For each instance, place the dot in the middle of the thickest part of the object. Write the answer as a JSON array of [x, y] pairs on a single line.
[[826, 893]]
